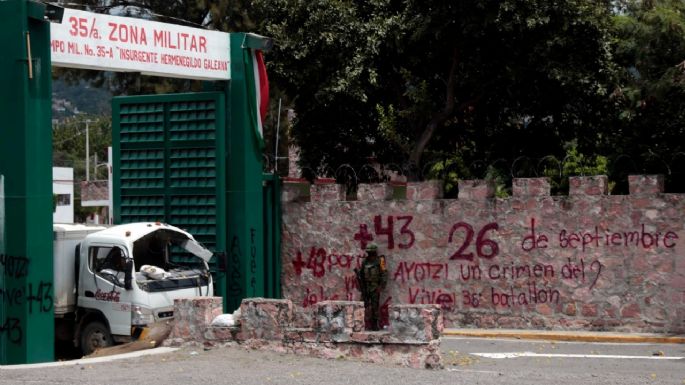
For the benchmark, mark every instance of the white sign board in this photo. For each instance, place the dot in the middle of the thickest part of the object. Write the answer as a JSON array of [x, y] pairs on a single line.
[[114, 43]]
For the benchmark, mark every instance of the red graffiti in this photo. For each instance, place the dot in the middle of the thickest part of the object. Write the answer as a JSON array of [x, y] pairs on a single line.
[[298, 263], [514, 271], [571, 270], [533, 241], [404, 230], [423, 296], [531, 295], [351, 284], [388, 231], [320, 261], [311, 298], [420, 271], [635, 238], [469, 272], [471, 299], [363, 236], [485, 248]]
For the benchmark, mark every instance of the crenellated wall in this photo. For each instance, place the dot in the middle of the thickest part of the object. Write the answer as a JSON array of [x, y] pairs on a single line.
[[586, 261]]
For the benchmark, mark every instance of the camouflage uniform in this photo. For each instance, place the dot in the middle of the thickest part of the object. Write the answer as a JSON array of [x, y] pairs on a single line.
[[372, 278]]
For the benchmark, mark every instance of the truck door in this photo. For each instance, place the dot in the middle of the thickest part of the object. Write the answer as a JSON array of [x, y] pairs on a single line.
[[101, 285]]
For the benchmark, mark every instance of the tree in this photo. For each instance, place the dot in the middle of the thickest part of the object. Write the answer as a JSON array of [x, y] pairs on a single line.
[[415, 81], [69, 150], [650, 49]]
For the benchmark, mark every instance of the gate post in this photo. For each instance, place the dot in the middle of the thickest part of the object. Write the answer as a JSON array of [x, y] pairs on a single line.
[[245, 242], [26, 304]]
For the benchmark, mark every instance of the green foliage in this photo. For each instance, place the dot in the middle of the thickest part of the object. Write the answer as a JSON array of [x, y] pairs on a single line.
[[449, 171], [82, 99], [445, 83], [69, 150], [500, 180], [401, 80], [575, 163], [649, 46]]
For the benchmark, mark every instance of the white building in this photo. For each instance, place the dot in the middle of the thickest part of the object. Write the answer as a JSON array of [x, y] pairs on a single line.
[[63, 193]]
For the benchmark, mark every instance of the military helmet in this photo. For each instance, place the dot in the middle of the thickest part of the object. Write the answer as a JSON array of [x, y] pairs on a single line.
[[371, 247]]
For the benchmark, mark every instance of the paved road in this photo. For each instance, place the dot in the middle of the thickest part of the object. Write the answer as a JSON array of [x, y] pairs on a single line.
[[559, 363], [237, 366]]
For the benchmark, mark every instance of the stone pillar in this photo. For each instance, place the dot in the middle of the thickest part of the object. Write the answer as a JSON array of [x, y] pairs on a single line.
[[294, 170], [295, 190], [192, 316], [645, 184], [428, 190], [526, 187], [263, 318], [374, 192], [476, 189], [416, 323], [338, 319], [326, 190], [588, 185]]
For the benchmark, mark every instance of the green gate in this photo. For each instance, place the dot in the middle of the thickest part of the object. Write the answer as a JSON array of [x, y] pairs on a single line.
[[172, 163], [173, 156], [169, 153], [169, 150]]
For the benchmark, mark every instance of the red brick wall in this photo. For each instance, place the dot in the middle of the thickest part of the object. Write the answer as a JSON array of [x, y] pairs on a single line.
[[584, 261]]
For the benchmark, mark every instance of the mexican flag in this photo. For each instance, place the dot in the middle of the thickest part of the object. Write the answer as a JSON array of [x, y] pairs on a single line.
[[257, 91]]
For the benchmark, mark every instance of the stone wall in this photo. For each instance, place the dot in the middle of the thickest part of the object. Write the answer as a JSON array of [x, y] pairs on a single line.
[[330, 329], [586, 261]]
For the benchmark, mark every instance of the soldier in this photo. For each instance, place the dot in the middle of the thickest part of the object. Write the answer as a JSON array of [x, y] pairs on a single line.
[[372, 278]]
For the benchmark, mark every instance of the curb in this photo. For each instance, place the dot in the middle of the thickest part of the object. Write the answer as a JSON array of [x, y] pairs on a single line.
[[567, 336], [87, 361]]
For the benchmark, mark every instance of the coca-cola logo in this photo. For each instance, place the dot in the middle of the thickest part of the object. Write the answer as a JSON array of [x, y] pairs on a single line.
[[108, 296]]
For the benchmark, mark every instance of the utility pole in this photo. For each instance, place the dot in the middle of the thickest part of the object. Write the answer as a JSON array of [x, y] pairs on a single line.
[[87, 153]]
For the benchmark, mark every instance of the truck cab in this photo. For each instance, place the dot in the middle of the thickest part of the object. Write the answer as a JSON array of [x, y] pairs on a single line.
[[125, 280]]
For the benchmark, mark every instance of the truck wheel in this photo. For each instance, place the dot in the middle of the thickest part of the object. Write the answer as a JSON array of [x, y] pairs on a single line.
[[94, 336]]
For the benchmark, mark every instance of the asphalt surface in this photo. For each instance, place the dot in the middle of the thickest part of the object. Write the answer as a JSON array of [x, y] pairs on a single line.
[[556, 362], [465, 364]]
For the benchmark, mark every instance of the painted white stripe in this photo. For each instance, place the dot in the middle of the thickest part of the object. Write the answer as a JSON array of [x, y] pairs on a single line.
[[473, 371], [95, 360], [519, 341], [543, 355]]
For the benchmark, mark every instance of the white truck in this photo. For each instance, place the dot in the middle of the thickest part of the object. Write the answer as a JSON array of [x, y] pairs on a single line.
[[110, 283]]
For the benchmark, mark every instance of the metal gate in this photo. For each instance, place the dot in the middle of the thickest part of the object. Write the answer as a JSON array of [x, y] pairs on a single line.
[[171, 164]]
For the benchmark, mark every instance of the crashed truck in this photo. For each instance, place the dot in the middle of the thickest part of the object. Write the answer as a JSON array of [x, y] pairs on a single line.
[[112, 283]]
